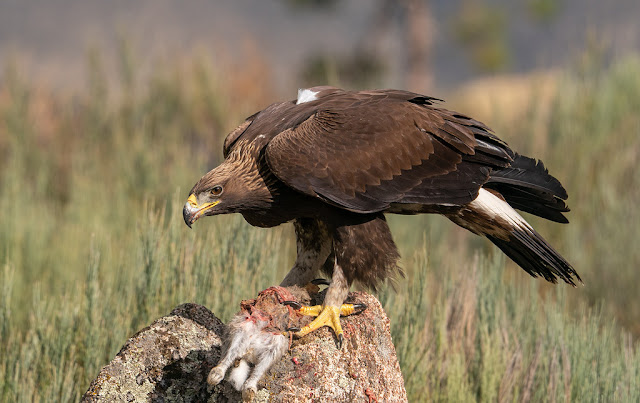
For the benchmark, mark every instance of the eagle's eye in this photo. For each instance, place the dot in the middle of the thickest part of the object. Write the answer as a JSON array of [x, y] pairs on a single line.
[[216, 190]]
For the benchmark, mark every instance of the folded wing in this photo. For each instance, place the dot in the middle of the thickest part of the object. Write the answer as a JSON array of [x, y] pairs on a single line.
[[363, 152]]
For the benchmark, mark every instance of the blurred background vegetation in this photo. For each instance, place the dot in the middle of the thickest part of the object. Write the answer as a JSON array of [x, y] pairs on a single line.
[[95, 165]]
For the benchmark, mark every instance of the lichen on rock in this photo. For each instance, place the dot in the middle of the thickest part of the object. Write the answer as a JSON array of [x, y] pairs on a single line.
[[171, 359]]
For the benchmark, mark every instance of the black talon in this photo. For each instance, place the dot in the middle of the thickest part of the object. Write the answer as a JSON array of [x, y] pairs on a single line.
[[359, 307], [340, 340], [293, 304], [293, 329], [320, 281]]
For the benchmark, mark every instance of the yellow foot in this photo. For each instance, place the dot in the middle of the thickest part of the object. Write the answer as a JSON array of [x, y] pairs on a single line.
[[326, 316]]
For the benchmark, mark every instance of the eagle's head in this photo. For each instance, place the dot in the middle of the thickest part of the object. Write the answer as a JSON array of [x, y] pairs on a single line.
[[235, 186]]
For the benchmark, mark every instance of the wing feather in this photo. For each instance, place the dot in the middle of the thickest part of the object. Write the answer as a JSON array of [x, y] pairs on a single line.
[[363, 152]]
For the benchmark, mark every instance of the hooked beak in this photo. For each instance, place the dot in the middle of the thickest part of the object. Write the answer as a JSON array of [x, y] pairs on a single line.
[[192, 211]]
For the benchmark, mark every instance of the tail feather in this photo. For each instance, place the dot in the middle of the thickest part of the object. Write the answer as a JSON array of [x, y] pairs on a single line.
[[534, 202], [527, 186], [491, 216], [531, 252]]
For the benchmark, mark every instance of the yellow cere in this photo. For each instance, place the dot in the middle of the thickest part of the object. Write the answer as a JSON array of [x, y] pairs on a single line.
[[192, 200]]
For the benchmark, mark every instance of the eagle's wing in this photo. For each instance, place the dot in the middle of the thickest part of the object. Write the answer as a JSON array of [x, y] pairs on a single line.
[[363, 153]]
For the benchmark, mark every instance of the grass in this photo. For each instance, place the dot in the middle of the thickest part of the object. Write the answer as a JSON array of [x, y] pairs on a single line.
[[92, 244]]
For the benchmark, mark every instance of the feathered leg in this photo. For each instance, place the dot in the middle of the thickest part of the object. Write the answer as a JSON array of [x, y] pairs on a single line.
[[363, 251], [313, 247]]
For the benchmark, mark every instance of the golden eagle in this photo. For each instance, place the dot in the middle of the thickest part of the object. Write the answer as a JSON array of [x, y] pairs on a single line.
[[334, 162]]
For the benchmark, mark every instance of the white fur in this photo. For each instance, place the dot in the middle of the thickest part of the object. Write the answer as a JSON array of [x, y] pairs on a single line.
[[239, 374], [306, 95], [495, 207], [251, 345]]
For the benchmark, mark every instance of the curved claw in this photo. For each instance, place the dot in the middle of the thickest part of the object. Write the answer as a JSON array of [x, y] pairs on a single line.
[[293, 304], [357, 308], [293, 329], [350, 309], [320, 281], [340, 340]]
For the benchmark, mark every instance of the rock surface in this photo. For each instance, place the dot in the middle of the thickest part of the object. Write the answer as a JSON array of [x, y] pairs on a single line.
[[166, 361], [170, 360]]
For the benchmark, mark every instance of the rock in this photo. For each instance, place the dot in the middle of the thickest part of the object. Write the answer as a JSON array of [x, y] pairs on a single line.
[[366, 369], [166, 361], [171, 359]]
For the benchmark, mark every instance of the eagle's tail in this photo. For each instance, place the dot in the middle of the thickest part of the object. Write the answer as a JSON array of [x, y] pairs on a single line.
[[531, 252], [527, 185], [490, 215]]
